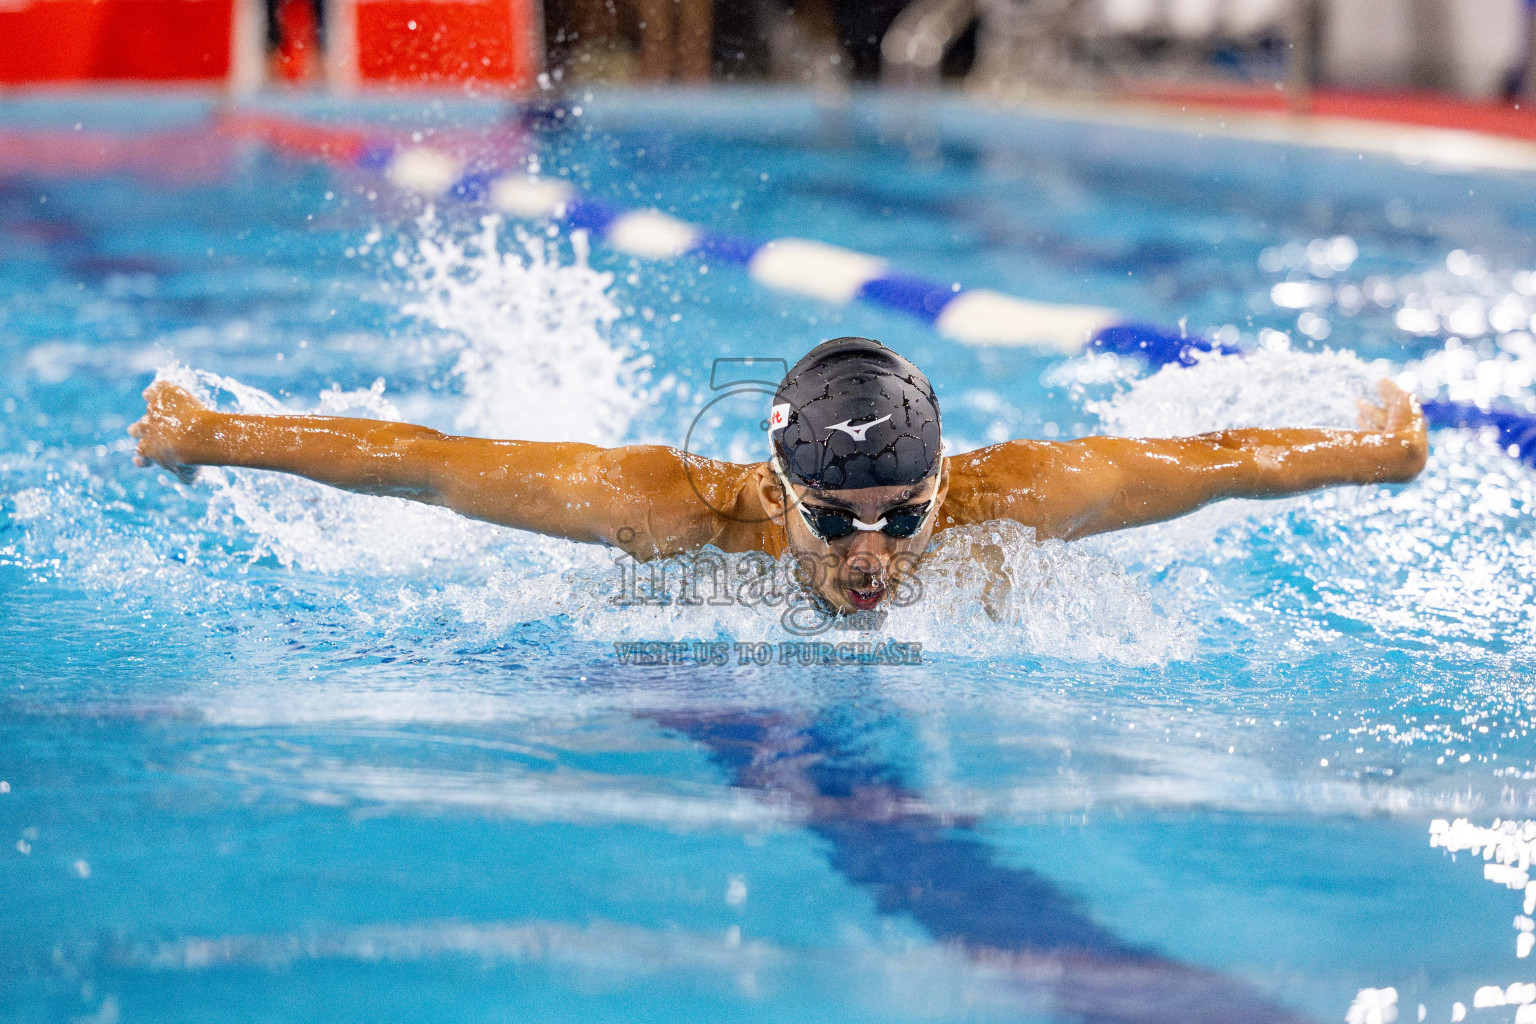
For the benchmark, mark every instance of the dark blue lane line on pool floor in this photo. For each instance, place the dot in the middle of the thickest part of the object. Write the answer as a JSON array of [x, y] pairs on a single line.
[[938, 872]]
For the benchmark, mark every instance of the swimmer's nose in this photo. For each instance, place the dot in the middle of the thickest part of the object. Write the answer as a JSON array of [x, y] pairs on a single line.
[[866, 565]]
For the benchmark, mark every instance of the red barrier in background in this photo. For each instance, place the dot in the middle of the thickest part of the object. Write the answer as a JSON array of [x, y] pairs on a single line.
[[95, 40], [446, 42]]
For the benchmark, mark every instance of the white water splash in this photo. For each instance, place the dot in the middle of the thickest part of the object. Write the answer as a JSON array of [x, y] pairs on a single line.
[[534, 358], [82, 528], [994, 590], [1468, 373], [1451, 555], [532, 337], [986, 591], [1274, 386], [314, 527]]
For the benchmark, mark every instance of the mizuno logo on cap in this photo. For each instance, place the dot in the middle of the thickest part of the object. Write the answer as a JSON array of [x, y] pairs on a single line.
[[858, 432]]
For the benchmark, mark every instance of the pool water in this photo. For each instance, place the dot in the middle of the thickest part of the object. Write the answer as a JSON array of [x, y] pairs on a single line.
[[273, 752]]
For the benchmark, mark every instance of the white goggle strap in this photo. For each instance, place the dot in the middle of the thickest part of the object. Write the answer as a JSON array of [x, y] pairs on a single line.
[[778, 471], [789, 490]]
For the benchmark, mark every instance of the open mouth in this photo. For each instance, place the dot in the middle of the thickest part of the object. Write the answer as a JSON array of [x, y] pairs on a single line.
[[864, 600]]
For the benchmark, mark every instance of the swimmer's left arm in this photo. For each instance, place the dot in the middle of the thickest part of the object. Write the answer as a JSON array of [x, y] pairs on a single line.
[[1098, 484]]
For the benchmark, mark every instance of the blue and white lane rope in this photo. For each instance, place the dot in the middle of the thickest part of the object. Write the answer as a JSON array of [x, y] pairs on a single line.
[[815, 269], [834, 274]]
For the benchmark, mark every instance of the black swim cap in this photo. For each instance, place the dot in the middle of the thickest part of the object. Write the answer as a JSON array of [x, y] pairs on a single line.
[[852, 414]]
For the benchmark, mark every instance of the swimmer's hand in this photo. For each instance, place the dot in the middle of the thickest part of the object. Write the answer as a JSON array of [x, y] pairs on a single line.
[[165, 432], [1400, 418]]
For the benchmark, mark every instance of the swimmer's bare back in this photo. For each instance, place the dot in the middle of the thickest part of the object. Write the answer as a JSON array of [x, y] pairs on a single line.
[[652, 500]]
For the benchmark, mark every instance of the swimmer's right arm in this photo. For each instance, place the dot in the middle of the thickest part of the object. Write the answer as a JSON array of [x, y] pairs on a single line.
[[1097, 484], [638, 497]]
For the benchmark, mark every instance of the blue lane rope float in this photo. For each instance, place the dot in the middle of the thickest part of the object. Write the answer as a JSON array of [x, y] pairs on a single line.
[[1516, 429], [834, 274]]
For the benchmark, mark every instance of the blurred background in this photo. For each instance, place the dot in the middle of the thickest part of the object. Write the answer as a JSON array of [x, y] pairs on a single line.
[[1255, 53]]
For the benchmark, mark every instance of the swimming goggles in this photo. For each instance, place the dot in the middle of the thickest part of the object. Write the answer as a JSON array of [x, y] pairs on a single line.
[[835, 524]]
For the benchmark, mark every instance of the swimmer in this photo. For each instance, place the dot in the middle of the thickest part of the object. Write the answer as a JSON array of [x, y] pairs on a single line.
[[855, 476]]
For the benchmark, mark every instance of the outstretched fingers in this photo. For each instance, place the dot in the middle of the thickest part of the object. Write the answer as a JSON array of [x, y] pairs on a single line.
[[1372, 416], [1396, 413], [1402, 409]]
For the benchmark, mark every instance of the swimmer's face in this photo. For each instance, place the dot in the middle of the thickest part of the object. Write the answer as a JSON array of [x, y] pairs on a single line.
[[856, 572]]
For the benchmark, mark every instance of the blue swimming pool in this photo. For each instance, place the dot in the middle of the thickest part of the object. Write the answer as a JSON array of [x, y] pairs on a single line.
[[271, 752]]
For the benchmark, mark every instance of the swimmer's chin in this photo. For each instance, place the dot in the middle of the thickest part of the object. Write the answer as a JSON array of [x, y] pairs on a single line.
[[863, 600]]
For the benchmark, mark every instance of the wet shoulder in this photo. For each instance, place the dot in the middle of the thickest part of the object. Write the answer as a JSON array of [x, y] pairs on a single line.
[[668, 501], [726, 506], [996, 482]]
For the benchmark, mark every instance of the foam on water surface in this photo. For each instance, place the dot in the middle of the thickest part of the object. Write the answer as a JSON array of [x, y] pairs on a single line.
[[533, 351], [531, 345], [986, 591]]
